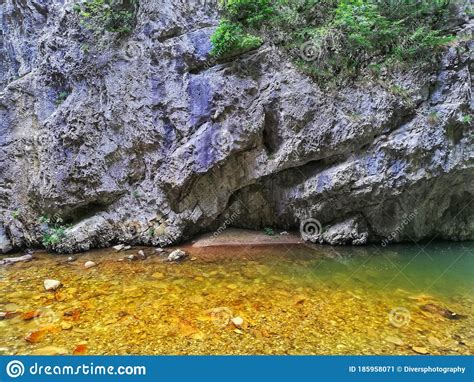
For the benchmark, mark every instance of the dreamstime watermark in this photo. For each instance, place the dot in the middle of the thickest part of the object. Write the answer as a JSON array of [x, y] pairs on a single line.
[[16, 369], [134, 50], [46, 316], [230, 219], [221, 138], [310, 51], [310, 229], [407, 219], [221, 316], [399, 317]]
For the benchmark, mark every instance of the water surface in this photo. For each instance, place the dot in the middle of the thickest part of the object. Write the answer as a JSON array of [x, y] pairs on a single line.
[[292, 299]]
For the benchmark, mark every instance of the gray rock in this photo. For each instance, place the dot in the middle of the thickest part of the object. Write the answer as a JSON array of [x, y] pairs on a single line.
[[346, 232], [14, 260], [5, 244], [177, 255], [154, 148], [132, 258]]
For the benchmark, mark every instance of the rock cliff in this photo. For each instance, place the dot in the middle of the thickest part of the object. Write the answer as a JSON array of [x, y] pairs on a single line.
[[147, 140]]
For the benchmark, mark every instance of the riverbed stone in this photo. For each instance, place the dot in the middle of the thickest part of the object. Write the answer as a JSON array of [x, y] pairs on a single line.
[[65, 325], [394, 340], [89, 264], [420, 350], [237, 322], [50, 350], [177, 255], [51, 285], [158, 275]]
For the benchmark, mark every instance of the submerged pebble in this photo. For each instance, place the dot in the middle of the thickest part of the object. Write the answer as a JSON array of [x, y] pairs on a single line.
[[420, 350], [237, 322], [442, 311], [7, 314], [50, 350], [394, 340], [65, 325], [89, 264], [158, 275], [51, 285], [434, 341]]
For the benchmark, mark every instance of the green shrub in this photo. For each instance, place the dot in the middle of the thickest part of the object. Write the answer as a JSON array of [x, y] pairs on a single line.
[[236, 31], [466, 119], [229, 38], [269, 231], [248, 12], [337, 39], [55, 231], [61, 97], [116, 16], [53, 236]]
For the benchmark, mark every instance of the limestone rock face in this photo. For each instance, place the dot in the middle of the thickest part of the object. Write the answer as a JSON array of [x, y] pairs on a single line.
[[5, 244], [147, 140]]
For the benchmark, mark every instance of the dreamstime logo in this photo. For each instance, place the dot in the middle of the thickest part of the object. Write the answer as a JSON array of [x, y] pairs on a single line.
[[15, 369], [310, 229], [407, 219], [309, 51], [399, 317], [46, 317], [221, 138], [230, 219], [221, 316], [133, 50], [43, 138]]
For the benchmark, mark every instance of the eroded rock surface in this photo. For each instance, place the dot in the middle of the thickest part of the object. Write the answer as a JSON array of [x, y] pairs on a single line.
[[155, 142]]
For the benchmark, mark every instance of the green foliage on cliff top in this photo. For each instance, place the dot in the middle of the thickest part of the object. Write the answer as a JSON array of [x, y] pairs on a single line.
[[241, 18], [116, 16], [337, 38]]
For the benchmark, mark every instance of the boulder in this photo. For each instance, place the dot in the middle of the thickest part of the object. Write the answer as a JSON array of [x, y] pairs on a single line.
[[177, 255]]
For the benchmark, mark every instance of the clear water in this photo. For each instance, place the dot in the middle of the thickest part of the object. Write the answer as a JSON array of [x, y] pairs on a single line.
[[292, 299]]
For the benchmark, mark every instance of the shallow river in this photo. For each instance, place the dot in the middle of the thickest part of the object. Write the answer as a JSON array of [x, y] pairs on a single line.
[[245, 300]]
